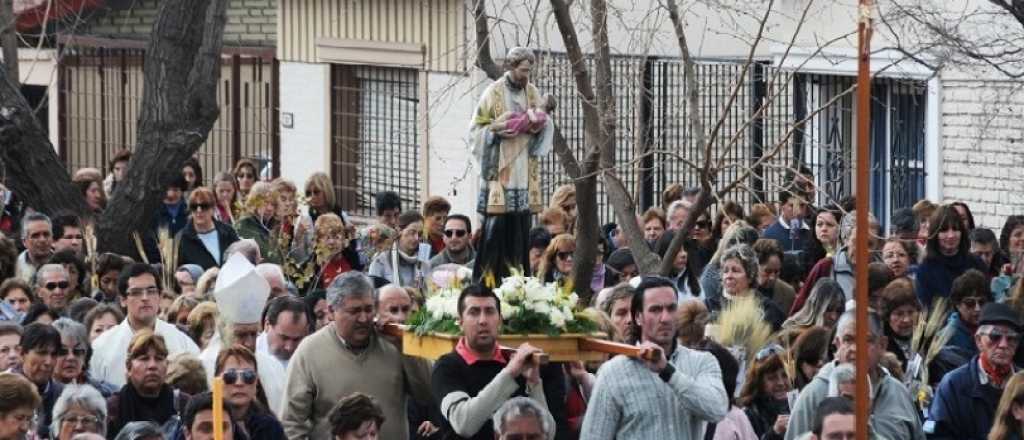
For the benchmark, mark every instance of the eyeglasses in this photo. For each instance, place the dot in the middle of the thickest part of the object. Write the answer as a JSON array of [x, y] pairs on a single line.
[[997, 337], [769, 351], [63, 351], [56, 285], [200, 206], [143, 291], [974, 302], [232, 376], [564, 255], [84, 421], [456, 232]]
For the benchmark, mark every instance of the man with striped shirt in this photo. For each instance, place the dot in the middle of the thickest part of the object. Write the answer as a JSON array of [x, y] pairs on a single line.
[[673, 396]]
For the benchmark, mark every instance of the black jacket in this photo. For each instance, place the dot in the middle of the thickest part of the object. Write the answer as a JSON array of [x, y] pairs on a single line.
[[191, 250]]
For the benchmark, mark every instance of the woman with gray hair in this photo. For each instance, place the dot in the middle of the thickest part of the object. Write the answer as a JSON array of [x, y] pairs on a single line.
[[72, 358], [711, 277], [523, 408], [79, 409], [739, 280], [140, 431]]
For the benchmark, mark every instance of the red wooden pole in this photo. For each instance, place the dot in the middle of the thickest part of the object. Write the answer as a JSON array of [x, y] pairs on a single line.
[[863, 229]]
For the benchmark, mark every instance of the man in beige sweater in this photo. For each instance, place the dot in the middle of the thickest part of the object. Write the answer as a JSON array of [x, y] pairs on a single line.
[[349, 356]]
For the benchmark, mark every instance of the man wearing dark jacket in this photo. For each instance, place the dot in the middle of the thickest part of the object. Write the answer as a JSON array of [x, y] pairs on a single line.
[[965, 403], [790, 231]]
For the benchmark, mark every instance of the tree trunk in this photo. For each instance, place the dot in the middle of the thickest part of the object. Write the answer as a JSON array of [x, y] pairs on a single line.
[[179, 107], [9, 39], [34, 172]]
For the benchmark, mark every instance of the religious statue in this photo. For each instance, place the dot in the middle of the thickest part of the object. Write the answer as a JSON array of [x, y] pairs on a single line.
[[510, 132]]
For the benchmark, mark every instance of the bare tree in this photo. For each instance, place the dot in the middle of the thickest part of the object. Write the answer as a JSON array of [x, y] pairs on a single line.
[[179, 107], [987, 33]]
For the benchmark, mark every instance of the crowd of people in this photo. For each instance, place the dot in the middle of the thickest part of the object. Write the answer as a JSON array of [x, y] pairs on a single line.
[[281, 295]]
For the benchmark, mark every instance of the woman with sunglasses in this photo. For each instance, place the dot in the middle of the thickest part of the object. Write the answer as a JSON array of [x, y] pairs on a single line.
[[968, 295], [72, 365], [556, 263], [244, 394], [245, 176], [204, 239], [765, 393]]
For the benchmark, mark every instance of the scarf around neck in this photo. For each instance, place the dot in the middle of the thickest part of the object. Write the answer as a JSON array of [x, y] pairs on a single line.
[[136, 407], [997, 375]]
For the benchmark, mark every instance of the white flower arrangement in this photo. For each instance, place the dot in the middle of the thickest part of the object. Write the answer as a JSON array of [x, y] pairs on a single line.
[[528, 306]]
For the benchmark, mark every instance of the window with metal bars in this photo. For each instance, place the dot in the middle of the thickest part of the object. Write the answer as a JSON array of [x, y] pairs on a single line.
[[374, 135]]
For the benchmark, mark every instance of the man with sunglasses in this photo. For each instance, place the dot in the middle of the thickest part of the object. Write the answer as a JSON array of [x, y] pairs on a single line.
[[893, 413], [966, 400], [672, 394], [458, 233], [52, 287]]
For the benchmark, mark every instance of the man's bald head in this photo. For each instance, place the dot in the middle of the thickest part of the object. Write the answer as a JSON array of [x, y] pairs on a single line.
[[393, 304]]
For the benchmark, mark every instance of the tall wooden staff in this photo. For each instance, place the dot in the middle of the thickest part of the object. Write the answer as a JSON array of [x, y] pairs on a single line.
[[863, 229]]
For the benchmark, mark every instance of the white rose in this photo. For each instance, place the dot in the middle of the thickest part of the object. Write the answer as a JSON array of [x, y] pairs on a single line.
[[557, 318]]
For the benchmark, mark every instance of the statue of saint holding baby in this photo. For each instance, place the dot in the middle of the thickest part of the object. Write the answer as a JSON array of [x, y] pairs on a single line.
[[510, 132]]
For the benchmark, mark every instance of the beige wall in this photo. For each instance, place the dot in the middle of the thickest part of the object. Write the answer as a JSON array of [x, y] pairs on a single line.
[[438, 26]]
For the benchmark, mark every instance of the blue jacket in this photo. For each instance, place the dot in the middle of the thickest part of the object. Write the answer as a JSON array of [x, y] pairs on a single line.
[[781, 234], [960, 335], [963, 408], [935, 275]]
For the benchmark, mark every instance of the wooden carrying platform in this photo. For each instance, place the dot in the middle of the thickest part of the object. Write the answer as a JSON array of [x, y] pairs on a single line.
[[562, 348]]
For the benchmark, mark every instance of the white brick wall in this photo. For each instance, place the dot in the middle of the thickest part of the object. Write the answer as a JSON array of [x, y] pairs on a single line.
[[983, 147]]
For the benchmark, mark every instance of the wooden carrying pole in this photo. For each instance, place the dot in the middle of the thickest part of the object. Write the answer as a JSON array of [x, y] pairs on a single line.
[[218, 408], [863, 194]]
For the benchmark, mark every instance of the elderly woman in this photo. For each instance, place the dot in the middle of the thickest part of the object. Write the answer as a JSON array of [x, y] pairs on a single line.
[[76, 270], [765, 393], [203, 240], [320, 196], [258, 218], [179, 310], [145, 397], [556, 262], [18, 402], [825, 306], [244, 394], [739, 280], [900, 256], [711, 275], [80, 409], [900, 314], [100, 319], [292, 239], [185, 373], [72, 366], [403, 264]]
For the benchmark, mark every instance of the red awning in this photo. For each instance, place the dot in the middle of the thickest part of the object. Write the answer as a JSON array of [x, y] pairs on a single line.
[[33, 13]]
